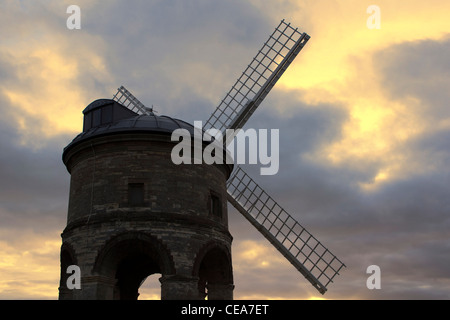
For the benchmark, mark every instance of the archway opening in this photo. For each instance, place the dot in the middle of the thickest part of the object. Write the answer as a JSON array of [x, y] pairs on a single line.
[[150, 288], [128, 260], [132, 272], [215, 275]]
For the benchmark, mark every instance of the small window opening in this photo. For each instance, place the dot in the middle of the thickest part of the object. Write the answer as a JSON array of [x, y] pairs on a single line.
[[136, 194], [216, 206]]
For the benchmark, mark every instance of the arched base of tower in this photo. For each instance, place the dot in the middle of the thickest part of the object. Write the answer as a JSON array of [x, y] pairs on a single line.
[[191, 268]]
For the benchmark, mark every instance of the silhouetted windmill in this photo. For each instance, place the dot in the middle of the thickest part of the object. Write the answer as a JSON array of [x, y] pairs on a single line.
[[314, 261]]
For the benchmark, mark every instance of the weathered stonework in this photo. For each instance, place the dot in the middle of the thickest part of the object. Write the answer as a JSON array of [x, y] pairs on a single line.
[[172, 229]]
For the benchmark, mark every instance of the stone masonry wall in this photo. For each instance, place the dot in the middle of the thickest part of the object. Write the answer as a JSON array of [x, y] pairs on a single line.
[[175, 217]]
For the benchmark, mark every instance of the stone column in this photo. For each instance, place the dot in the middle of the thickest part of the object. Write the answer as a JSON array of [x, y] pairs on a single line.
[[220, 291], [179, 287]]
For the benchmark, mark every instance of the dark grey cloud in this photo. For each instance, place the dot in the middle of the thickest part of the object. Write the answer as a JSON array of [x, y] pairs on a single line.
[[170, 53], [34, 183], [419, 69]]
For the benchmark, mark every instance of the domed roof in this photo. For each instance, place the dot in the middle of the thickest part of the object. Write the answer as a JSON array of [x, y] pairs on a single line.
[[149, 123], [104, 117]]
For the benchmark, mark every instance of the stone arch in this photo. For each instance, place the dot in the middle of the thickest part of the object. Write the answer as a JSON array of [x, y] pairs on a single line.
[[67, 258], [215, 273], [127, 259]]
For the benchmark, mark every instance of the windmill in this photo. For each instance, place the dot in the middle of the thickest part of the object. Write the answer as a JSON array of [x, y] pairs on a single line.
[[313, 260]]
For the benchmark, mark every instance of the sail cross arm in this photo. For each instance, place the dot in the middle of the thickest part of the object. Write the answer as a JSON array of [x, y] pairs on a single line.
[[315, 262], [258, 79]]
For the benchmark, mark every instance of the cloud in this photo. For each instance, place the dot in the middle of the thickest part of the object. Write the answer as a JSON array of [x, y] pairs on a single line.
[[416, 70], [28, 266], [30, 176], [33, 206], [176, 55], [341, 66], [50, 71]]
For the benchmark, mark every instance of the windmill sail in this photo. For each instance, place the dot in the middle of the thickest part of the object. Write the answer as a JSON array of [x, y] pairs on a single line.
[[294, 242], [297, 245], [258, 79], [127, 99]]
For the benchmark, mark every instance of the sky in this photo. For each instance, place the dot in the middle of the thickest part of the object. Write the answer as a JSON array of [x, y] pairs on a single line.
[[362, 112]]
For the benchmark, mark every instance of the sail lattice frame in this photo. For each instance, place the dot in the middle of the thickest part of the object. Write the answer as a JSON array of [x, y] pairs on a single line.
[[258, 79], [300, 247], [127, 99]]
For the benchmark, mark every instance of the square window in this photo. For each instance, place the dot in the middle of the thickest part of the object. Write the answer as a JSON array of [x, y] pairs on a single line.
[[136, 194]]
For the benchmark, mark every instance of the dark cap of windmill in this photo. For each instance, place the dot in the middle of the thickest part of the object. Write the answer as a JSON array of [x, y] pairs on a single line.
[[106, 116]]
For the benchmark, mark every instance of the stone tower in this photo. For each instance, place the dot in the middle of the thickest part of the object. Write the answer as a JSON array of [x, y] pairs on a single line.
[[133, 212]]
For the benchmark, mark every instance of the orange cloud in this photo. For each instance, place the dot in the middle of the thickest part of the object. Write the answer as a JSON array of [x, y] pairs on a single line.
[[29, 266], [337, 67]]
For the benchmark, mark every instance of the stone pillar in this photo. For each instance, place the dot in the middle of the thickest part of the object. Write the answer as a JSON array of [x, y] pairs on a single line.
[[220, 291], [178, 287], [101, 288]]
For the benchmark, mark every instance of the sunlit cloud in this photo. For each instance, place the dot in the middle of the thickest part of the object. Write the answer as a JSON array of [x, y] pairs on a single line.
[[51, 71], [47, 89], [258, 255], [337, 66], [28, 266]]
